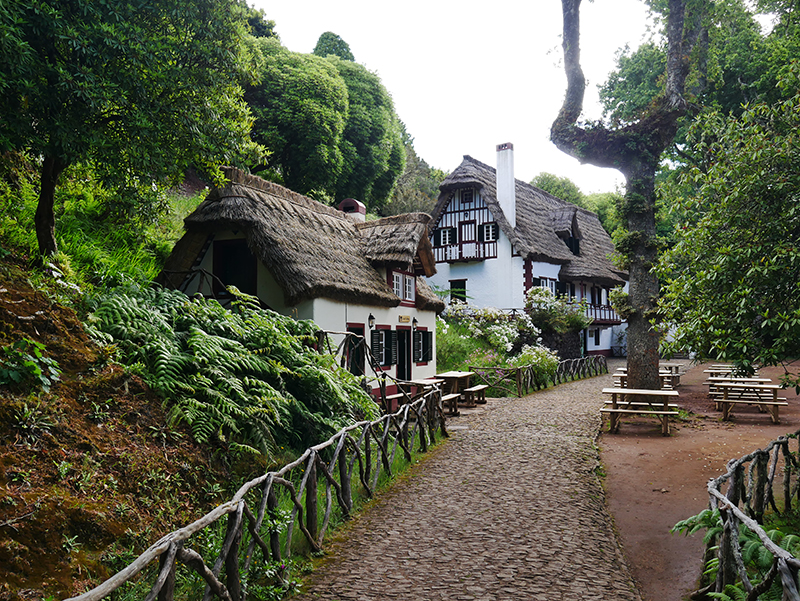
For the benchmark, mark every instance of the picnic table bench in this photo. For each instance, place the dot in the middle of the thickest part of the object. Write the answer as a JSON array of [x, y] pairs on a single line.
[[765, 396], [475, 394], [624, 401]]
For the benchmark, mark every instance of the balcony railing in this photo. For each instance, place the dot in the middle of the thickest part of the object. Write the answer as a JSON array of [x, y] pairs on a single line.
[[603, 315], [465, 251]]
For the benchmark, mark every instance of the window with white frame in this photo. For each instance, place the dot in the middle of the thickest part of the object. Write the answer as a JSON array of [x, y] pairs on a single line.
[[489, 232], [404, 286], [447, 236], [397, 284], [548, 283], [409, 287]]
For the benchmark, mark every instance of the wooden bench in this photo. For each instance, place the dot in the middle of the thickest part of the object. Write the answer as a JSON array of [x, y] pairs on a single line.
[[622, 402], [765, 396], [475, 394], [451, 401]]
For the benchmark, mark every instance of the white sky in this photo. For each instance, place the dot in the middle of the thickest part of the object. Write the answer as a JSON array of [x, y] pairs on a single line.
[[467, 75]]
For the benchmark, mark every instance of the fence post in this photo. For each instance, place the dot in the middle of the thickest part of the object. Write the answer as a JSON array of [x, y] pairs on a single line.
[[311, 496], [519, 382], [344, 479], [232, 576], [274, 530]]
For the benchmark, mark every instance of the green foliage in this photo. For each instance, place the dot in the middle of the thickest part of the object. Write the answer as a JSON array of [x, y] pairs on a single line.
[[417, 189], [732, 281], [469, 336], [634, 85], [755, 556], [144, 89], [330, 43], [372, 144], [98, 246], [248, 376], [560, 187], [30, 422], [24, 364], [555, 313], [300, 106]]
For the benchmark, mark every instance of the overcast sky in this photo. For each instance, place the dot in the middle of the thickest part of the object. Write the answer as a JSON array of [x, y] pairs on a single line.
[[466, 76]]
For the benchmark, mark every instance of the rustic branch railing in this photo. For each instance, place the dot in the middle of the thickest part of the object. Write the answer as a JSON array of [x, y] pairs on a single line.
[[752, 481], [519, 381], [371, 446]]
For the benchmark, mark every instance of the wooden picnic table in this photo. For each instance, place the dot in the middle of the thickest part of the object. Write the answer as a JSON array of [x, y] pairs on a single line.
[[416, 388], [454, 383], [765, 396], [714, 380], [640, 401], [667, 380]]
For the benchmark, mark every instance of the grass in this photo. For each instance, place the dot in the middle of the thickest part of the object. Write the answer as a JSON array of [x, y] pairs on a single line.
[[97, 246]]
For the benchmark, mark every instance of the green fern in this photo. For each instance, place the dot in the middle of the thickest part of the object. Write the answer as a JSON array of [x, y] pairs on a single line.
[[249, 376]]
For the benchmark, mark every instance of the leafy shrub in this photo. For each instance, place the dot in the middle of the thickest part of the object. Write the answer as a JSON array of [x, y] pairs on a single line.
[[555, 313], [24, 363], [247, 376]]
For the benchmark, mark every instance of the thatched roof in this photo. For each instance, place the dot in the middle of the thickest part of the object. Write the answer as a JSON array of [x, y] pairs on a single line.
[[540, 218], [311, 250]]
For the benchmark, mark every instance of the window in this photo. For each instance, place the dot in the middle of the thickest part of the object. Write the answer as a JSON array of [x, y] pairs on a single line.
[[383, 344], [409, 287], [597, 337], [234, 265], [466, 196], [574, 244], [397, 284], [458, 291], [488, 232], [548, 283], [444, 236], [404, 286], [423, 346]]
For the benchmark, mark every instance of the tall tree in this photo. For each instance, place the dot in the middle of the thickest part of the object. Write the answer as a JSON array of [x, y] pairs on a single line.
[[560, 187], [372, 145], [417, 189], [300, 105], [732, 280], [330, 43], [635, 149], [142, 88]]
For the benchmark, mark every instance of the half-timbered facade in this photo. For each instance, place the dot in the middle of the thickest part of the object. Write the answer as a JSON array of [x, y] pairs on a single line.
[[495, 237]]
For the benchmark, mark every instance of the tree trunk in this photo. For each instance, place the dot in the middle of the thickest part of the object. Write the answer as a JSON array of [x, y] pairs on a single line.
[[45, 219], [643, 285]]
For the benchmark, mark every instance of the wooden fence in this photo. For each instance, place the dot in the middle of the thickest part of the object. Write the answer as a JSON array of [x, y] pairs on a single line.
[[369, 445], [753, 482], [519, 381]]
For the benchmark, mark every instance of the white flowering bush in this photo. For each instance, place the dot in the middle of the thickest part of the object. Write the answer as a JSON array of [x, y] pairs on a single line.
[[552, 313]]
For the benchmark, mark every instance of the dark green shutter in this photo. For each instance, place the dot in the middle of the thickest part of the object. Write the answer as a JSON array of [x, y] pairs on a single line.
[[375, 346], [417, 346], [427, 346], [392, 354], [437, 237], [481, 231]]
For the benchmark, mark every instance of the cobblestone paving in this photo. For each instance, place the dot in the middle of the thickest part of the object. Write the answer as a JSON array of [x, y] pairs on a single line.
[[510, 508]]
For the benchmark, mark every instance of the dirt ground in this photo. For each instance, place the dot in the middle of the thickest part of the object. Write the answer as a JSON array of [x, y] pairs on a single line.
[[654, 481]]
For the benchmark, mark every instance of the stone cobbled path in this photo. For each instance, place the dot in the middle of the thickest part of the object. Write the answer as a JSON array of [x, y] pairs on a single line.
[[510, 508]]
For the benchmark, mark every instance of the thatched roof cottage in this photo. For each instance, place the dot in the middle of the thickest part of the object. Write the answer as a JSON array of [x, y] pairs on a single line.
[[494, 237], [310, 261]]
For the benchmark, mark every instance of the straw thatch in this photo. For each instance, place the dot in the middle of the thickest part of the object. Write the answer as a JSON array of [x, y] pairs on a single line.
[[542, 223], [310, 249]]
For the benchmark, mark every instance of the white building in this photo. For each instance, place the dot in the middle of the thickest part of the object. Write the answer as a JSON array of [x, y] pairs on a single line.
[[494, 237], [309, 261]]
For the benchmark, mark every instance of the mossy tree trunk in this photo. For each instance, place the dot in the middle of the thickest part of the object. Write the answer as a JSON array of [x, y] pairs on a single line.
[[634, 150]]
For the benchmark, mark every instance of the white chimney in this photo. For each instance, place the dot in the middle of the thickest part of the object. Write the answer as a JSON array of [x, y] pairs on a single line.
[[506, 186]]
